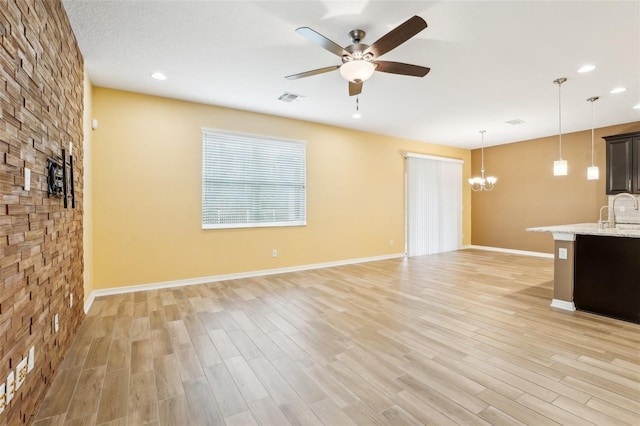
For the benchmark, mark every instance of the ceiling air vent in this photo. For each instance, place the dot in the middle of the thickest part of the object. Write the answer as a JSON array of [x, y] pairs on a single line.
[[289, 97], [515, 121]]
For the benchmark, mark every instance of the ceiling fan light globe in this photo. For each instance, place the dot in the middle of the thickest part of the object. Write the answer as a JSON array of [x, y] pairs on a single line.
[[357, 71]]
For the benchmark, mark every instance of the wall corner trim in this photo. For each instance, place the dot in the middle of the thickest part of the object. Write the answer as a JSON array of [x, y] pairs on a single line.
[[89, 302], [217, 278], [563, 304], [510, 251]]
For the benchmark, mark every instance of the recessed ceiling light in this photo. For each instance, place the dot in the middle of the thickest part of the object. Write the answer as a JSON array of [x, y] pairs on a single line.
[[618, 90], [158, 76], [587, 68], [637, 106]]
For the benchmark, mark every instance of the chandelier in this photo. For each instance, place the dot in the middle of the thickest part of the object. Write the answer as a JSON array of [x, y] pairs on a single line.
[[481, 183]]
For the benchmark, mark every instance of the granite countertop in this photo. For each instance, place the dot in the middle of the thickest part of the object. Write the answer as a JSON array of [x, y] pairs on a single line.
[[621, 230]]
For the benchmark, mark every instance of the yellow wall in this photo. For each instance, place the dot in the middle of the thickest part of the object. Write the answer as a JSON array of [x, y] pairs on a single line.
[[87, 199], [146, 171], [528, 195]]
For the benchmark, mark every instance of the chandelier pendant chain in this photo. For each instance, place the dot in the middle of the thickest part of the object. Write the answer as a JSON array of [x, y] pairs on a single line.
[[482, 154]]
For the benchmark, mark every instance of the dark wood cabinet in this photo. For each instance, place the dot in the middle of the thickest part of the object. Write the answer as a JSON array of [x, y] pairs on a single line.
[[606, 276], [623, 163]]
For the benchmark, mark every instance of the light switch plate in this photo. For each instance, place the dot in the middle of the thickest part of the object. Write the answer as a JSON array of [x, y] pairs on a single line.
[[21, 372], [27, 179], [3, 397], [32, 359], [11, 386]]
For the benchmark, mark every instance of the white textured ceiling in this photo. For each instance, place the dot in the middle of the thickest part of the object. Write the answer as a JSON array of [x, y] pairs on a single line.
[[491, 61]]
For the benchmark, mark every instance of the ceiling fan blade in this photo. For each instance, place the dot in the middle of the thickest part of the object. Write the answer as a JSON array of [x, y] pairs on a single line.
[[397, 36], [355, 88], [322, 41], [400, 68], [312, 72]]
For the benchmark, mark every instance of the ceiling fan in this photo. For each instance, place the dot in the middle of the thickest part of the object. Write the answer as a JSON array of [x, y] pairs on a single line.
[[359, 61]]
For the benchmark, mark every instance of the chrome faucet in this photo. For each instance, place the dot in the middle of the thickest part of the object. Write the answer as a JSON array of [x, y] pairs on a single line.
[[612, 215], [600, 221]]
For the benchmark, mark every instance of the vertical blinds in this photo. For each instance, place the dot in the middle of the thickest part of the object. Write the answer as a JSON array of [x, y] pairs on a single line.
[[434, 205], [252, 181]]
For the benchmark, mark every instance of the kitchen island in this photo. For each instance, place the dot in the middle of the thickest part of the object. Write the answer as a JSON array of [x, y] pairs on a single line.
[[597, 269]]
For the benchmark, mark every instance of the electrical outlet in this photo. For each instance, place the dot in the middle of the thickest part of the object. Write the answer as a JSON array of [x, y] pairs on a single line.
[[562, 253], [274, 253], [11, 387], [3, 397], [56, 323], [21, 372], [32, 359], [390, 242]]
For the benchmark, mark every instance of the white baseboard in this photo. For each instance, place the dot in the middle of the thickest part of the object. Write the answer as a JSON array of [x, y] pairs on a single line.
[[89, 302], [563, 304], [511, 251], [217, 278]]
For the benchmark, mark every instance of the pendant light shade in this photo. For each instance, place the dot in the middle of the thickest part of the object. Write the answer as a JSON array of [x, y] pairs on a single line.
[[593, 173], [560, 166]]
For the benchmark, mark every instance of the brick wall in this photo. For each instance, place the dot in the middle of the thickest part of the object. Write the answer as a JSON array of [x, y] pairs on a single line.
[[41, 105]]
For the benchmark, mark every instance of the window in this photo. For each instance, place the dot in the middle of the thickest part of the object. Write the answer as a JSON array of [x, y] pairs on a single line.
[[252, 181]]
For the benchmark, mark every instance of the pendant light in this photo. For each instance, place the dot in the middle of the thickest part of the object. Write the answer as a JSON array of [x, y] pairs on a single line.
[[480, 183], [593, 173], [560, 166], [356, 114]]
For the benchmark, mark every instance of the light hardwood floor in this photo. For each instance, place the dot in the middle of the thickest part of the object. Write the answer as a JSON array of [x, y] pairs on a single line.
[[465, 338]]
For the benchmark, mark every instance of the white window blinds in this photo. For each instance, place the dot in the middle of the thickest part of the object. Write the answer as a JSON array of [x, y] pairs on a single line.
[[434, 205], [252, 181]]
